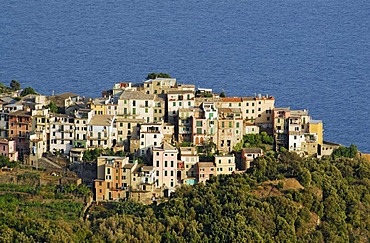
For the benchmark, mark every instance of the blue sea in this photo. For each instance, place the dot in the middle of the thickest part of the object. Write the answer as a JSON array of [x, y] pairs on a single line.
[[311, 55]]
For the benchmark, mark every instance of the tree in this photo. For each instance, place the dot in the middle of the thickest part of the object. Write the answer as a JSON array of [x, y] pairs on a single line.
[[52, 107], [15, 85], [158, 75], [28, 91], [223, 95]]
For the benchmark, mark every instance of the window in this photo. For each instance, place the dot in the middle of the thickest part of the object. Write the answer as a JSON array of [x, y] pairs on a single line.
[[134, 111], [146, 103], [165, 163], [174, 104], [199, 123], [165, 173], [157, 163], [237, 125], [134, 103], [157, 173], [171, 173], [172, 163]]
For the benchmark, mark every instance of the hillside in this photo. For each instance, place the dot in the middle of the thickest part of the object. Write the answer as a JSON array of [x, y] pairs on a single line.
[[313, 200]]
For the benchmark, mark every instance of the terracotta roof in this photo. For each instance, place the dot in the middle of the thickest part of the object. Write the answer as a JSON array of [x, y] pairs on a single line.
[[231, 99]]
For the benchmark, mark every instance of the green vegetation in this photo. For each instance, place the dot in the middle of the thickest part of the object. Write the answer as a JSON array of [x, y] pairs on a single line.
[[342, 151], [261, 140], [258, 206], [5, 162], [15, 85], [39, 214], [27, 91], [53, 107], [158, 75], [92, 155], [222, 94]]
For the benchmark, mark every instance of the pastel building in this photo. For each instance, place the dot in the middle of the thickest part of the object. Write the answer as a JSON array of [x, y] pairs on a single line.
[[8, 149], [62, 133], [20, 126], [205, 171], [137, 105], [159, 85], [190, 158], [225, 164], [108, 183], [151, 135], [230, 128], [165, 166], [101, 131], [177, 99]]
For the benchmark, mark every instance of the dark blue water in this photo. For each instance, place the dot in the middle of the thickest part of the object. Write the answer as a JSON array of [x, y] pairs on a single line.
[[308, 54]]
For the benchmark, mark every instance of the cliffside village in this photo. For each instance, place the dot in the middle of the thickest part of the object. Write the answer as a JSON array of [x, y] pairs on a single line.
[[153, 119]]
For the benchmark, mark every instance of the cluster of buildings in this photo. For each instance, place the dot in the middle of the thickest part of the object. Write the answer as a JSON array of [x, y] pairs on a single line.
[[158, 119]]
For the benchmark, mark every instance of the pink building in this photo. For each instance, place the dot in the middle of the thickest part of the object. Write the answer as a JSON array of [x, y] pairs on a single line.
[[205, 171], [8, 149], [165, 166]]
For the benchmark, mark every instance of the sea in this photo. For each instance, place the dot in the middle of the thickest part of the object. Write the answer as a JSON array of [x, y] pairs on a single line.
[[312, 55]]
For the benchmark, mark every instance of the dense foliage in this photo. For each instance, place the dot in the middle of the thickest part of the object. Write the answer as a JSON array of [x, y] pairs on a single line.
[[342, 151], [27, 91], [92, 155], [5, 162], [332, 206], [259, 140], [158, 75]]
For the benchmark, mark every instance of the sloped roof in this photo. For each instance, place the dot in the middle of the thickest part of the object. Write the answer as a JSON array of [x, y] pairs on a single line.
[[136, 95], [101, 120]]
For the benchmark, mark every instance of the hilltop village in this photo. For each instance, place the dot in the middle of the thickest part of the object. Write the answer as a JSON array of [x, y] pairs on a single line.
[[159, 134]]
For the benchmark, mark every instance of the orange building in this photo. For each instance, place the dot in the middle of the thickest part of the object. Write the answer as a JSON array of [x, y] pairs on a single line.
[[110, 177], [20, 125]]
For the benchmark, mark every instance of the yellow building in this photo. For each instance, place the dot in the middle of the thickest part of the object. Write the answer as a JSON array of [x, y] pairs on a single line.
[[316, 127]]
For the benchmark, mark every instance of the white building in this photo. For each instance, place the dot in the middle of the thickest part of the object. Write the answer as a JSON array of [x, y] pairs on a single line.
[[101, 131], [61, 133], [151, 135], [136, 105]]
